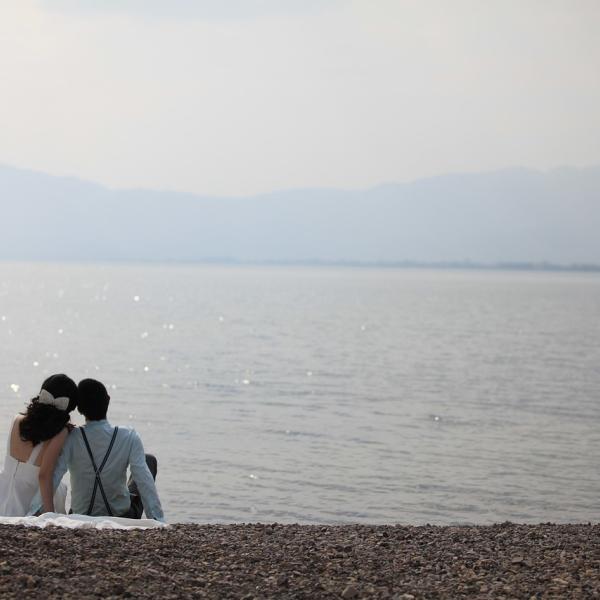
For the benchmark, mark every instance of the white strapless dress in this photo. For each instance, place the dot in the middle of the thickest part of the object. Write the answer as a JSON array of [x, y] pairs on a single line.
[[19, 484]]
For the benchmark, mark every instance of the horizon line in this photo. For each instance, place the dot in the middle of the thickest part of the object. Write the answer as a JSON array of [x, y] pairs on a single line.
[[308, 188], [462, 265]]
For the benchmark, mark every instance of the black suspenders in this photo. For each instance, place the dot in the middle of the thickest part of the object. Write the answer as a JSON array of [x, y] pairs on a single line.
[[98, 482]]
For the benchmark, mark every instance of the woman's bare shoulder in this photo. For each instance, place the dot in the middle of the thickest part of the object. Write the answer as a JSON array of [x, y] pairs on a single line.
[[16, 424]]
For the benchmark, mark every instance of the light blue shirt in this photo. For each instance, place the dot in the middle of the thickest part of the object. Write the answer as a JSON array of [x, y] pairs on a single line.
[[127, 451]]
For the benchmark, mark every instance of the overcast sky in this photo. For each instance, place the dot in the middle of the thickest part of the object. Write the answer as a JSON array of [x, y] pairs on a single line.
[[245, 96]]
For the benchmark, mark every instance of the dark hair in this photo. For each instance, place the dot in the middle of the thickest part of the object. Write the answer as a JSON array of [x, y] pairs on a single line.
[[43, 421], [93, 399]]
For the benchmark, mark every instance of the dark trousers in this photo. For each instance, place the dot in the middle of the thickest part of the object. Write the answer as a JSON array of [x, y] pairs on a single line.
[[137, 508]]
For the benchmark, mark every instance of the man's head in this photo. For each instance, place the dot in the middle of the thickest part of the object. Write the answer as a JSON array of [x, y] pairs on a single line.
[[93, 400]]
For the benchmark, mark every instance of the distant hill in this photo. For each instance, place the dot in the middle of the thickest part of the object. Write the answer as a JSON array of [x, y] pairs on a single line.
[[513, 215]]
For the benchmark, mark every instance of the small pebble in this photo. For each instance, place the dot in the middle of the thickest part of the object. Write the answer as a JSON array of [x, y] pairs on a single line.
[[349, 592]]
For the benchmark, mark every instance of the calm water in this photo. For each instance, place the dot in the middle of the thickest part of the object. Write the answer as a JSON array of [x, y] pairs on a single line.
[[329, 395]]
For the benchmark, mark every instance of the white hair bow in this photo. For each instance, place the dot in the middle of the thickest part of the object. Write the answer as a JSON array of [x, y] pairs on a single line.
[[45, 397]]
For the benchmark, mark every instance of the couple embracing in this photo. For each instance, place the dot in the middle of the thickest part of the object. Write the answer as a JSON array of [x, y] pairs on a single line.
[[43, 445]]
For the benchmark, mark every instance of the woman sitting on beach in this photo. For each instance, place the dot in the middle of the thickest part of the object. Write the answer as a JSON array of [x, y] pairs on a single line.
[[35, 440]]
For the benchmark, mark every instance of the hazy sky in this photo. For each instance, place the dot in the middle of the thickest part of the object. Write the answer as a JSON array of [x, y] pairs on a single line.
[[244, 96]]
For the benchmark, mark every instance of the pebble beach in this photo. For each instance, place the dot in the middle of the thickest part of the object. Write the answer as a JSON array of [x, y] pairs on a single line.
[[303, 561]]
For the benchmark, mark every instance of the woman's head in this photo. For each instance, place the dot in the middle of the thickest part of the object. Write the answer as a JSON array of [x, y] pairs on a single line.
[[48, 412]]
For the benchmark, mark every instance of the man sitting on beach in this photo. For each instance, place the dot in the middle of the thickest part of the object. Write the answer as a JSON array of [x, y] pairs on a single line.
[[97, 456]]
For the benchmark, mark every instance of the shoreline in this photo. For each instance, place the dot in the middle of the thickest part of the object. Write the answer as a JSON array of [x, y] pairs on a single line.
[[303, 561]]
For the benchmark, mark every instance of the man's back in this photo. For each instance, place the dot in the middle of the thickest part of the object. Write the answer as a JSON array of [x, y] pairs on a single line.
[[127, 450]]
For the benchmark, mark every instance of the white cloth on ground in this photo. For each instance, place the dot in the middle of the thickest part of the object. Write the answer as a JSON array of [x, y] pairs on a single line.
[[82, 522]]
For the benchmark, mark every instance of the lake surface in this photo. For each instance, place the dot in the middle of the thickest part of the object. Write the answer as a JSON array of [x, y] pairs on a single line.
[[329, 395]]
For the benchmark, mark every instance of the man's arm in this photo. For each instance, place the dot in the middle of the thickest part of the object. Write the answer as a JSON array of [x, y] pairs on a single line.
[[144, 480], [60, 469]]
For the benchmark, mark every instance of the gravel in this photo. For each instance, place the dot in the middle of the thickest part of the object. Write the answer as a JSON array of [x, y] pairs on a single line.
[[303, 561]]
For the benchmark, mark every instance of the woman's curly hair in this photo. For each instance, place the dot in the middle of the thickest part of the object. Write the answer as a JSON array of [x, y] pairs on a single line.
[[43, 421]]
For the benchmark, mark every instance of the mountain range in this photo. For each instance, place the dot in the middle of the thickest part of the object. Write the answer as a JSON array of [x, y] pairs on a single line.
[[508, 216]]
